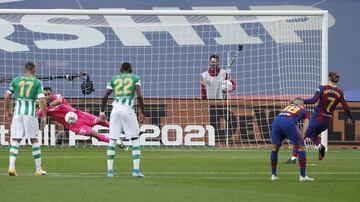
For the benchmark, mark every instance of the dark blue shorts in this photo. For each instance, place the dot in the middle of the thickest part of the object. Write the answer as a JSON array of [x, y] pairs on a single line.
[[285, 127], [317, 125]]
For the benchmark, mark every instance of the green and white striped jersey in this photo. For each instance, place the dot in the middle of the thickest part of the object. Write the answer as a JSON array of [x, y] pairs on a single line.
[[124, 88], [27, 90]]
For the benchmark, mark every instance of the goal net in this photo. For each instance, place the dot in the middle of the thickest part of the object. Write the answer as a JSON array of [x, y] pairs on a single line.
[[283, 56]]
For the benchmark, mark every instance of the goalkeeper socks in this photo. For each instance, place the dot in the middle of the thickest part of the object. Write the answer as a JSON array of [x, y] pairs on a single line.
[[36, 152], [111, 154], [14, 150], [274, 158], [294, 154], [302, 163], [103, 138], [136, 153]]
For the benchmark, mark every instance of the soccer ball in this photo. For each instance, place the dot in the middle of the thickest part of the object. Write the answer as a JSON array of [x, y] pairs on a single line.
[[227, 86], [71, 118]]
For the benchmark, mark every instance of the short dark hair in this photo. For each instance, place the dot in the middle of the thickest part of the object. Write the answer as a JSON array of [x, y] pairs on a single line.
[[334, 76], [29, 65], [47, 88], [297, 101], [214, 56], [126, 67]]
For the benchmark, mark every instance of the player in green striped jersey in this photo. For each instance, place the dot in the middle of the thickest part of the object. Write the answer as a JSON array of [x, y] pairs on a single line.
[[27, 89], [123, 118]]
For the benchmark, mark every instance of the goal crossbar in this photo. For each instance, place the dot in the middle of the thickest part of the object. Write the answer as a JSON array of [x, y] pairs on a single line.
[[166, 12]]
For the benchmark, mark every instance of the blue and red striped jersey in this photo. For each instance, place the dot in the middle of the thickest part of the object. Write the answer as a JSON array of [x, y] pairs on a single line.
[[296, 112], [328, 97]]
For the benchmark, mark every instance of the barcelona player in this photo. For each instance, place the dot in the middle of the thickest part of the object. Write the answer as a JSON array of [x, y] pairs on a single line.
[[285, 126], [328, 97]]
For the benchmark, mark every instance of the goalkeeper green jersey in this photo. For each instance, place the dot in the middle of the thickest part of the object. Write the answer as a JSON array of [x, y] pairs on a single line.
[[27, 90], [124, 88]]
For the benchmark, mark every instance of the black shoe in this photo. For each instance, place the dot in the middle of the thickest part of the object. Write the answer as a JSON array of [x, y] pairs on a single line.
[[321, 152], [123, 147], [291, 161]]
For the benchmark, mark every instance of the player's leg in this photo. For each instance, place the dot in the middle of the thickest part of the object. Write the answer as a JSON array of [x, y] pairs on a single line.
[[115, 130], [136, 153], [92, 120], [100, 122], [81, 128], [31, 125], [324, 126], [295, 150], [17, 133], [276, 144], [14, 150], [314, 131], [36, 152], [131, 130], [297, 140], [294, 155], [99, 136], [274, 159], [302, 164], [85, 123]]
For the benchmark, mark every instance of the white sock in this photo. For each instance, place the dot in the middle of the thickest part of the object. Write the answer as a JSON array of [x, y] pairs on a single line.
[[111, 154], [14, 150], [136, 153], [36, 152]]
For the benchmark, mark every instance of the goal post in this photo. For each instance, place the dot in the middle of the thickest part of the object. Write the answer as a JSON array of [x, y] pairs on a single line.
[[324, 66], [284, 55]]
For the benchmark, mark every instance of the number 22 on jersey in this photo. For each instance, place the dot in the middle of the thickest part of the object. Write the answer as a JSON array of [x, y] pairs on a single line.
[[122, 86]]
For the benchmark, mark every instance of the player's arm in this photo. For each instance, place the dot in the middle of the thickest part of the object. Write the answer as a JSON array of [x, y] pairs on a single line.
[[140, 100], [7, 101], [346, 109], [228, 77], [314, 99], [306, 123], [57, 101], [109, 89], [104, 103], [203, 89], [42, 104]]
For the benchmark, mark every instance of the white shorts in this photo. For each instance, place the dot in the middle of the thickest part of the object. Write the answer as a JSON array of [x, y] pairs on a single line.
[[24, 126], [123, 120]]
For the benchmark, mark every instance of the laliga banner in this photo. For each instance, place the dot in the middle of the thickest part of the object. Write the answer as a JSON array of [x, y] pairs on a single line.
[[185, 137], [193, 122]]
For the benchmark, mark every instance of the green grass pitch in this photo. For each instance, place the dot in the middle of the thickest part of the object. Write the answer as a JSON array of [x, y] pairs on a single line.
[[179, 174]]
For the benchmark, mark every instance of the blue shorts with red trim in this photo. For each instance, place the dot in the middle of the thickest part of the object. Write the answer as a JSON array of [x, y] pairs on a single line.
[[285, 127], [317, 125]]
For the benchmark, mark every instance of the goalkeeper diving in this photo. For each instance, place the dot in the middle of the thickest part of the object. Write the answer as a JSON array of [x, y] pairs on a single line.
[[58, 107]]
